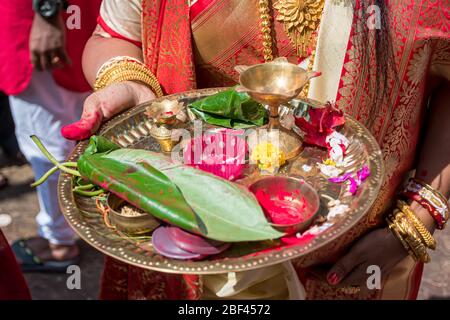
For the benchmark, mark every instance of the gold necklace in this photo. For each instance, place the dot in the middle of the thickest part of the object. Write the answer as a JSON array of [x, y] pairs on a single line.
[[266, 29], [301, 19]]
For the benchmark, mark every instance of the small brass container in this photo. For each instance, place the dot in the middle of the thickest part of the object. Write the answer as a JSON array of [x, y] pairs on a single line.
[[133, 225], [164, 137], [272, 185], [165, 116], [167, 112]]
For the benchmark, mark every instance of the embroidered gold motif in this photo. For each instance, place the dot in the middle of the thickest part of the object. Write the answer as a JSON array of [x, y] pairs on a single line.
[[301, 19]]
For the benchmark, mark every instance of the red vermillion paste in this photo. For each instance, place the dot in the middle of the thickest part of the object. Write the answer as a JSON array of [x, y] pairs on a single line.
[[83, 128], [285, 208]]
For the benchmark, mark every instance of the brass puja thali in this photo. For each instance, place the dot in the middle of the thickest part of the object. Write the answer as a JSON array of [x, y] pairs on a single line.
[[133, 129]]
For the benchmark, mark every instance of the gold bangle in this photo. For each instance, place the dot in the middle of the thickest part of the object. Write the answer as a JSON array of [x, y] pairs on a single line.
[[426, 236], [126, 69], [405, 235], [413, 239], [409, 234], [397, 234]]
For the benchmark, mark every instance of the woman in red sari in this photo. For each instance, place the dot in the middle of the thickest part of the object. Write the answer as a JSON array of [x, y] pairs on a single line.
[[388, 65], [12, 282]]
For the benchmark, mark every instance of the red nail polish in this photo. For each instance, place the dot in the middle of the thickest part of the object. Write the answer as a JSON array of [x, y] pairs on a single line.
[[333, 278]]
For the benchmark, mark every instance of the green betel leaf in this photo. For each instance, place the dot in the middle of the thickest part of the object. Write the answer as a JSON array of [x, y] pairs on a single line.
[[230, 109], [229, 212], [199, 202], [98, 144], [138, 183], [224, 122]]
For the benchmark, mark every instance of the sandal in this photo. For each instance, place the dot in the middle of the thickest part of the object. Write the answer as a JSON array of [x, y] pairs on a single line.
[[3, 181], [32, 263]]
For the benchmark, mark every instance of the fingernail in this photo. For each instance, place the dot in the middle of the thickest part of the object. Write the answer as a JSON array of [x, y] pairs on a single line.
[[75, 132], [317, 74], [333, 278]]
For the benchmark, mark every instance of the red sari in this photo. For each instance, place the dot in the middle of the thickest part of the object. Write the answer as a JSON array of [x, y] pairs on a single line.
[[12, 282], [181, 54]]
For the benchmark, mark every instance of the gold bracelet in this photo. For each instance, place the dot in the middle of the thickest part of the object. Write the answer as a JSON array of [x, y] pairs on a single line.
[[126, 69], [397, 234], [406, 235], [426, 236], [409, 234], [413, 239]]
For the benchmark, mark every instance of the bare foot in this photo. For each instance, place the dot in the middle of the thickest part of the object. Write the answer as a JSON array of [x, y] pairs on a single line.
[[46, 251]]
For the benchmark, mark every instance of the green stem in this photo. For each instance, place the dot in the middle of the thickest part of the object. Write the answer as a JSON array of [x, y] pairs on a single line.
[[52, 158], [44, 177], [70, 164], [89, 193], [50, 172], [85, 187]]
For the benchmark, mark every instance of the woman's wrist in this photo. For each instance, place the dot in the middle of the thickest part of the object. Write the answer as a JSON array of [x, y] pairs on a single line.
[[424, 216], [141, 92]]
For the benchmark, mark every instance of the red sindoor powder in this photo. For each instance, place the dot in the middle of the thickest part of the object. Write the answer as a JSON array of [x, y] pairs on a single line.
[[286, 208]]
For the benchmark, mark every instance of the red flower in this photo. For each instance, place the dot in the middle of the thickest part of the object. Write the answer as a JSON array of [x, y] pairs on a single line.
[[323, 121]]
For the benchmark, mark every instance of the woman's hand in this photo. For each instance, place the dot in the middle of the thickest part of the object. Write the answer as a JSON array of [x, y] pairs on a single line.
[[48, 43], [380, 248], [105, 103]]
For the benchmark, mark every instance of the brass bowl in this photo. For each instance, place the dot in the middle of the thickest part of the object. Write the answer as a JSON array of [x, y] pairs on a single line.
[[298, 187], [134, 225], [275, 82]]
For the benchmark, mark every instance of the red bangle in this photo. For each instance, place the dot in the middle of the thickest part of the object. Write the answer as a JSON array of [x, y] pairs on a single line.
[[430, 199], [440, 223]]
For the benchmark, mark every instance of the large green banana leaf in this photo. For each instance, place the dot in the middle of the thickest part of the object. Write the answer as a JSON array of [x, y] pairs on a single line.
[[180, 195]]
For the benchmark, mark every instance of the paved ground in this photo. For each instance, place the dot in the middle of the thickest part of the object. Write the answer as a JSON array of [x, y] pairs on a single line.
[[20, 202]]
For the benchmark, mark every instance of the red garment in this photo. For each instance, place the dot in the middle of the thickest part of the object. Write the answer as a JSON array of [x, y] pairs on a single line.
[[72, 77], [15, 26], [12, 282]]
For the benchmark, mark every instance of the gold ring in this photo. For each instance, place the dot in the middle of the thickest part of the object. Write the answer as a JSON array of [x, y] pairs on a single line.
[[56, 60]]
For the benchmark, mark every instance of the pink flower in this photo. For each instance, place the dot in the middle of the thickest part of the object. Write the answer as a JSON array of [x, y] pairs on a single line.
[[355, 181], [221, 153]]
